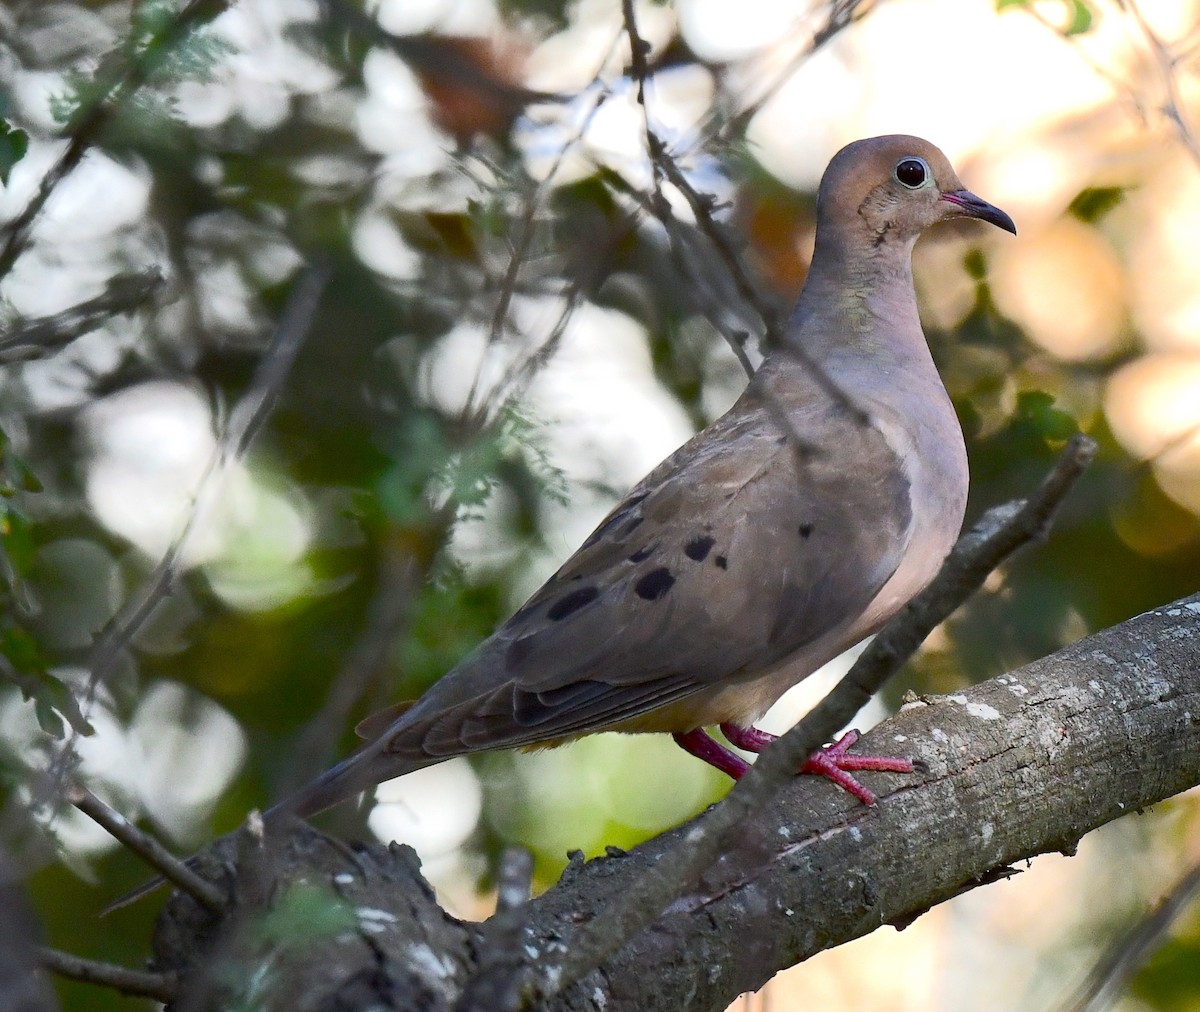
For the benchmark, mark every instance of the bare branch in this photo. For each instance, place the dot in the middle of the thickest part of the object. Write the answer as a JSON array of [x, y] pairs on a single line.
[[385, 622], [842, 14], [1023, 764], [503, 969], [974, 557], [244, 424], [240, 431], [31, 339], [1108, 977], [146, 847], [1002, 531], [1167, 64], [159, 986], [118, 78], [702, 206], [472, 412]]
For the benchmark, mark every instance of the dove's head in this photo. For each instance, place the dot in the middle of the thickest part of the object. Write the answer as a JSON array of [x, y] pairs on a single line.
[[887, 190]]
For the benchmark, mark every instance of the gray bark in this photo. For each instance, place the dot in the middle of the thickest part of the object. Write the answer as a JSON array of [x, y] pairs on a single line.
[[1014, 767]]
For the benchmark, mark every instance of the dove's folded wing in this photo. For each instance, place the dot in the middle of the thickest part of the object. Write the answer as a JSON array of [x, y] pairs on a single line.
[[733, 554]]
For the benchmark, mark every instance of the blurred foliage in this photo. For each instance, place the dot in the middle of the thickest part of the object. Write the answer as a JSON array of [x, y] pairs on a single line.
[[14, 143], [1077, 15], [242, 186]]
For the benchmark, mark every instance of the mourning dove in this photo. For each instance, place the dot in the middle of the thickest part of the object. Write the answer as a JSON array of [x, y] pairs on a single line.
[[788, 530]]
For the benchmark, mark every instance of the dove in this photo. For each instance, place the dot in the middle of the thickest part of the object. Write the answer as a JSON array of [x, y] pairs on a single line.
[[789, 529]]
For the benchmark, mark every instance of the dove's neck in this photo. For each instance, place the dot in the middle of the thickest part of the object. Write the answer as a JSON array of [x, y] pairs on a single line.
[[859, 306]]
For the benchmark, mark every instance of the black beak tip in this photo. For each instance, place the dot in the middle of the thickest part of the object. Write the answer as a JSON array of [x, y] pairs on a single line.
[[972, 206]]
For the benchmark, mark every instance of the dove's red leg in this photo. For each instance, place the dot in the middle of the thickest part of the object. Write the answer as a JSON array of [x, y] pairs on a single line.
[[832, 761], [699, 744]]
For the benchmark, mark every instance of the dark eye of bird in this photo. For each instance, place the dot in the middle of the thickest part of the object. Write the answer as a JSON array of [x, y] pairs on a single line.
[[911, 172]]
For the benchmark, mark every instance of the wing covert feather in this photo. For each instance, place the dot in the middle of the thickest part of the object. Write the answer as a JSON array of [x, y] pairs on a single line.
[[732, 554]]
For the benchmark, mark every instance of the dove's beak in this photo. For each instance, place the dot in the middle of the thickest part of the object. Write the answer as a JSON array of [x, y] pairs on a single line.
[[971, 206]]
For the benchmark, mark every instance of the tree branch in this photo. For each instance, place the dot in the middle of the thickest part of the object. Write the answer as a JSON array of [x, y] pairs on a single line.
[[31, 339], [117, 79], [1020, 765], [146, 847], [159, 986]]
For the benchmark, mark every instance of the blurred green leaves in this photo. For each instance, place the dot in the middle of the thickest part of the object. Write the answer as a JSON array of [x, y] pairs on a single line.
[[1078, 14], [23, 661], [14, 142]]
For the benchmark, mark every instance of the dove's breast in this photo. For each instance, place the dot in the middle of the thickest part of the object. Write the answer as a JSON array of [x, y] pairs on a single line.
[[919, 425], [928, 440]]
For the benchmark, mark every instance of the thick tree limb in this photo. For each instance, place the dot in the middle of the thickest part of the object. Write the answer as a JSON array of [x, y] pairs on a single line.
[[1021, 765]]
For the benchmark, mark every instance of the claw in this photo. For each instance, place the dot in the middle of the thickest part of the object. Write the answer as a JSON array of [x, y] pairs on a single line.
[[832, 762]]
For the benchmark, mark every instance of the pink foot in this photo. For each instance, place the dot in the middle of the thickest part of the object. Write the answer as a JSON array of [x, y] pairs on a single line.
[[832, 761]]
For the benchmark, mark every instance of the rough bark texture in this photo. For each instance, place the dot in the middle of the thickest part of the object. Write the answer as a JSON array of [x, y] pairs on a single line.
[[1020, 765]]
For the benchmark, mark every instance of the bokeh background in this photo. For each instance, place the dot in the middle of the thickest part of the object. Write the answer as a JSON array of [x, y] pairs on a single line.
[[353, 321]]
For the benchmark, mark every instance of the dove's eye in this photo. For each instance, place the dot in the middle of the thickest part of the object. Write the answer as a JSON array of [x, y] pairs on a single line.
[[912, 172]]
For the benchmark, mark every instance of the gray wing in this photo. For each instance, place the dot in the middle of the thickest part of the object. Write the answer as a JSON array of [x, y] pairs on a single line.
[[732, 554]]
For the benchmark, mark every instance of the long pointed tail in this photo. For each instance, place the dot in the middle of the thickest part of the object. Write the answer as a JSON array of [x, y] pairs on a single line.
[[361, 771], [369, 766]]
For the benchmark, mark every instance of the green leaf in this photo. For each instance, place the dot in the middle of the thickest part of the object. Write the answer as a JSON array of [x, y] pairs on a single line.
[[1081, 18], [56, 693], [1080, 15], [16, 540], [21, 650], [48, 718], [1095, 202], [1037, 407], [13, 145]]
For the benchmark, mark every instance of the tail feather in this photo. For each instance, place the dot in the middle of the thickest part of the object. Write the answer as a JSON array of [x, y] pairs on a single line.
[[370, 765]]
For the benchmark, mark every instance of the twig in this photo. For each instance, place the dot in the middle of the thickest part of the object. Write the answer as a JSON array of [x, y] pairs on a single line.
[[384, 624], [520, 374], [663, 167], [159, 986], [1108, 977], [1166, 61], [30, 339], [118, 78], [702, 208], [702, 205], [471, 412], [244, 424], [1172, 107], [239, 432], [1002, 531], [842, 14], [503, 967], [146, 847]]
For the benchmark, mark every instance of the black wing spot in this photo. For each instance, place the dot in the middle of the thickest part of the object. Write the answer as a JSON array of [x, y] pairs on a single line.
[[720, 562], [806, 530], [643, 553], [572, 602], [698, 547], [654, 584]]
